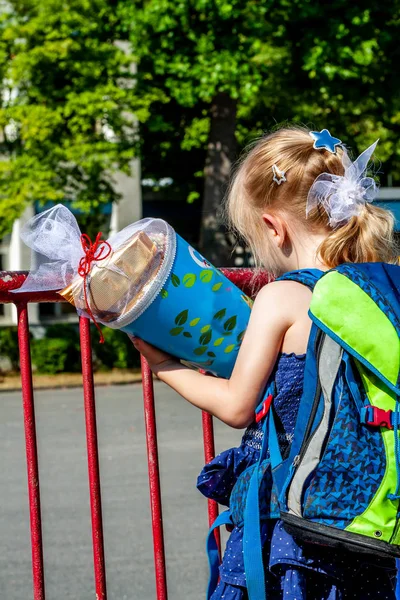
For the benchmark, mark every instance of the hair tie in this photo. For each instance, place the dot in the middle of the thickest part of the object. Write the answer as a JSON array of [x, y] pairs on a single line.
[[343, 197]]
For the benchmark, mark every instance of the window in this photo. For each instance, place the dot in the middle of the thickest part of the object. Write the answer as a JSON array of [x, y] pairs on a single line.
[[47, 309]]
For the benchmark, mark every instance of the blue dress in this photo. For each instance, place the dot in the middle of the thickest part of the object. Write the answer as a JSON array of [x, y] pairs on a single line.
[[293, 570]]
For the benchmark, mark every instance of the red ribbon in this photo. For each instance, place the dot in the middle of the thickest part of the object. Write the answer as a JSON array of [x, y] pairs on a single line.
[[99, 250]]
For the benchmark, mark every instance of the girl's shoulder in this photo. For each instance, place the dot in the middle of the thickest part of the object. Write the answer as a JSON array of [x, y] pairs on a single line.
[[286, 304], [286, 296]]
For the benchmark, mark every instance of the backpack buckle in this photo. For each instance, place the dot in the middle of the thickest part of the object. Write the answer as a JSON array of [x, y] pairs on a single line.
[[377, 417], [261, 412]]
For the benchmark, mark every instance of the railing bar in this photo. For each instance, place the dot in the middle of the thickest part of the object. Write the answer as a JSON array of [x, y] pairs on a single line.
[[31, 452], [93, 460], [209, 454], [154, 481]]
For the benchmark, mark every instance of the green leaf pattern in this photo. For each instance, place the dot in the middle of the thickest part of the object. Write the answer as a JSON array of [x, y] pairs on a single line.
[[200, 351], [205, 338], [208, 331], [176, 331], [189, 280], [217, 286], [206, 275], [182, 317], [175, 280]]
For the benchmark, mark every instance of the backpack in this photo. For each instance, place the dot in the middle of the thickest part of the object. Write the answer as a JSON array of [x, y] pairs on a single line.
[[340, 484]]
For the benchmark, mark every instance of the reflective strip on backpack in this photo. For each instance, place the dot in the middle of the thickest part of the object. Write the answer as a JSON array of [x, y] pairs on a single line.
[[328, 367]]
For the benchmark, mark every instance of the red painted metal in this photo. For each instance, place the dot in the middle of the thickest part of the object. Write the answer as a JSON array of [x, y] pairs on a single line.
[[154, 481], [209, 453], [245, 279], [12, 280], [93, 460], [31, 452]]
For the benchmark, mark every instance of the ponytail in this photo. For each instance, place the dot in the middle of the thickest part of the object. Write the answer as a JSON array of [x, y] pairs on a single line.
[[367, 237]]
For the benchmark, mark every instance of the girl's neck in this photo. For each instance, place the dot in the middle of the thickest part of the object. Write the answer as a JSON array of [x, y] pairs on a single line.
[[304, 252]]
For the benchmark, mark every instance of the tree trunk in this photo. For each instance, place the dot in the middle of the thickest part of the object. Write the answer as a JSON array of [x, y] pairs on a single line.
[[221, 148]]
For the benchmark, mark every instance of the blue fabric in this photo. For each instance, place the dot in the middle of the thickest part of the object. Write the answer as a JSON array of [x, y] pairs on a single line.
[[398, 579], [252, 544], [267, 491], [307, 277], [218, 478], [336, 493], [301, 572], [291, 571], [212, 550], [252, 540]]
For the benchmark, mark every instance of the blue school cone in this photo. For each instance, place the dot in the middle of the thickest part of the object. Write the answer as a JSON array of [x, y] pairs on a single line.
[[193, 311]]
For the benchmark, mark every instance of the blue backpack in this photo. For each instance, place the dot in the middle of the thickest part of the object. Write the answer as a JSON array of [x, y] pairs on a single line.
[[340, 484]]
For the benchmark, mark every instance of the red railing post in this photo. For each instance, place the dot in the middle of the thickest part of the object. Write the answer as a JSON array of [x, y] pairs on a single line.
[[31, 452], [209, 454], [93, 460], [154, 481]]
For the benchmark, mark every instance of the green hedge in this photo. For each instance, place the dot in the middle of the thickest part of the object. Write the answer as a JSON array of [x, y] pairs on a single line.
[[9, 346], [117, 351], [52, 355], [59, 350]]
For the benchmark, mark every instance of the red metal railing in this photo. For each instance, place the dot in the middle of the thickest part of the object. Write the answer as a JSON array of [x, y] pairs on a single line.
[[10, 281]]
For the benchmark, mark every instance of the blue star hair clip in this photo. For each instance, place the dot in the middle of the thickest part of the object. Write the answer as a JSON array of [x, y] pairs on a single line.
[[279, 176], [323, 140]]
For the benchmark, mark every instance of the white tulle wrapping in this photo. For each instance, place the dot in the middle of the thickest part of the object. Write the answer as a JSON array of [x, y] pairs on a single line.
[[344, 196], [54, 237]]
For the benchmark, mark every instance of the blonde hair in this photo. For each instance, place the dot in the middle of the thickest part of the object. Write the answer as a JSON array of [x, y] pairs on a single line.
[[367, 237]]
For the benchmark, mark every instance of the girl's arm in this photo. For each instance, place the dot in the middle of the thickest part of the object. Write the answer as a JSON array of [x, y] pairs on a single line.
[[234, 400]]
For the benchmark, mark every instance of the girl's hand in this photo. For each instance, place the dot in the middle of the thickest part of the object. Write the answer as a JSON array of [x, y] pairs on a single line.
[[155, 357]]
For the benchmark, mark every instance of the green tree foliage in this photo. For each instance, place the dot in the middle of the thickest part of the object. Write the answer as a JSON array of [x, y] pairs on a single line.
[[348, 57], [214, 60], [68, 98], [232, 69]]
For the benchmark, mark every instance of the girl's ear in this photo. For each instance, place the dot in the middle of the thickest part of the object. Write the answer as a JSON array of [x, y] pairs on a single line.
[[276, 228]]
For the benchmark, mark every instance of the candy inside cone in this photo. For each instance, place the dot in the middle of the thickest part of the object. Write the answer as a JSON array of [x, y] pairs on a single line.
[[120, 280]]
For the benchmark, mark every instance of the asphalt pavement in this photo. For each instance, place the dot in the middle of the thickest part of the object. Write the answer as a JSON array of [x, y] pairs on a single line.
[[127, 526]]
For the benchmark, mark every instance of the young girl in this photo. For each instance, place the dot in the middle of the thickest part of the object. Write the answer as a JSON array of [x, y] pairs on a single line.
[[287, 228]]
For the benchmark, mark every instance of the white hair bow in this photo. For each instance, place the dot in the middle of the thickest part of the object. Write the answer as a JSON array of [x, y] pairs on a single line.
[[344, 196]]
